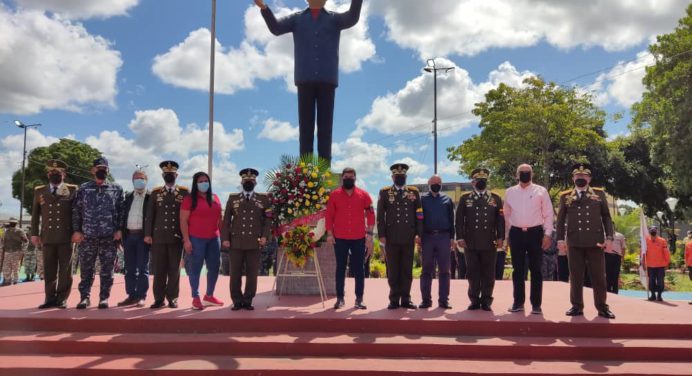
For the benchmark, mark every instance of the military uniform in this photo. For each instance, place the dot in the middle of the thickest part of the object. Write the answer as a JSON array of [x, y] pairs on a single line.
[[247, 218], [30, 261], [51, 220], [162, 224], [96, 213], [13, 244], [399, 221], [480, 223], [584, 223]]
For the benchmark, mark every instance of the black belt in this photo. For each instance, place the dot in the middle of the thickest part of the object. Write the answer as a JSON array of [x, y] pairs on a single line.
[[436, 232], [527, 229], [135, 232]]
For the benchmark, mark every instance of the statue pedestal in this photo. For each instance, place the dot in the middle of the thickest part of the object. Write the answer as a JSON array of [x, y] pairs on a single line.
[[308, 285]]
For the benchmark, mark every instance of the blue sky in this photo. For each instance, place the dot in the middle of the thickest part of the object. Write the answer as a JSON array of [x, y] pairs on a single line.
[[130, 77]]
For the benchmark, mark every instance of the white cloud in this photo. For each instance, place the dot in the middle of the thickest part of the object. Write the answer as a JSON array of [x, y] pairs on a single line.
[[260, 56], [469, 27], [80, 9], [446, 167], [410, 110], [369, 160], [279, 131], [414, 167], [49, 63], [623, 84]]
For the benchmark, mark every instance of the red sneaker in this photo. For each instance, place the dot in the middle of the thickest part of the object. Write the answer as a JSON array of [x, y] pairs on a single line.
[[197, 304], [212, 301]]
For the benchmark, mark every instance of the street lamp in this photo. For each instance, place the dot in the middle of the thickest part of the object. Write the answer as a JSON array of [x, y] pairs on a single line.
[[21, 204], [622, 210], [672, 203], [432, 68], [212, 63]]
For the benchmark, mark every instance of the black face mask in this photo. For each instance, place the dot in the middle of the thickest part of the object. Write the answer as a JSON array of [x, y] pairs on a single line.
[[481, 184], [101, 174], [248, 186], [169, 178], [581, 182], [525, 176], [436, 188], [349, 183], [55, 179], [400, 180]]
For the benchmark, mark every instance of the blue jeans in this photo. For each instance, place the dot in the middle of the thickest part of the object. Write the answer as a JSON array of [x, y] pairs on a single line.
[[203, 250], [136, 266], [356, 249]]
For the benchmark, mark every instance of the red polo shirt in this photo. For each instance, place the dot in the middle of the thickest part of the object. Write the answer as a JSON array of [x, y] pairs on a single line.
[[204, 220], [346, 215]]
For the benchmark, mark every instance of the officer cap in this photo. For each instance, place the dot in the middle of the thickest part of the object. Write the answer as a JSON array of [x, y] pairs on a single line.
[[399, 169], [169, 166], [249, 173], [13, 220], [581, 168], [480, 173], [100, 162], [55, 164]]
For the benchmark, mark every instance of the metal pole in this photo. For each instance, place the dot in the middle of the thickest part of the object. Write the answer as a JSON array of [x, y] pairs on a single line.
[[21, 204], [210, 156], [435, 115]]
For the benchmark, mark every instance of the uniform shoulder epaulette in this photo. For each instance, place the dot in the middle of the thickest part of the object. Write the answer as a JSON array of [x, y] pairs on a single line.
[[157, 189], [75, 186], [412, 188], [598, 189], [566, 192], [465, 194], [39, 187], [234, 194], [386, 188], [183, 188]]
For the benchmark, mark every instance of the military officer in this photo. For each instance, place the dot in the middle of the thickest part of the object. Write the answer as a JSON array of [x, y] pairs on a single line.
[[14, 241], [96, 212], [585, 228], [30, 260], [162, 232], [246, 227], [51, 232], [399, 225], [480, 228]]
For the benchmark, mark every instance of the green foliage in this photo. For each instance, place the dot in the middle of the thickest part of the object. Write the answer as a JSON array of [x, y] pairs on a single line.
[[630, 262], [628, 225], [666, 106], [78, 156], [543, 124]]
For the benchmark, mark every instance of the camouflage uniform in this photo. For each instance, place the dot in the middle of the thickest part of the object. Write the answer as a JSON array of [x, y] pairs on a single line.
[[30, 262], [14, 240], [268, 257], [96, 213]]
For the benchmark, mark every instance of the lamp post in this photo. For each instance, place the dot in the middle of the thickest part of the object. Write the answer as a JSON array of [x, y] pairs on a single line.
[[212, 63], [672, 203], [622, 210], [21, 202], [432, 68]]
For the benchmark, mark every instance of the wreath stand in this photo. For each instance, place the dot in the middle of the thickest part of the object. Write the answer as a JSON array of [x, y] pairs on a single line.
[[301, 273]]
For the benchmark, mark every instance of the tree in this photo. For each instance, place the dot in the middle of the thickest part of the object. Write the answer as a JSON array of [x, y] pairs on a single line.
[[666, 105], [542, 124], [77, 155]]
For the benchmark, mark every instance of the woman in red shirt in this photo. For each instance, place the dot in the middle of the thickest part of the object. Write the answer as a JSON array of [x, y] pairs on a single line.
[[200, 219]]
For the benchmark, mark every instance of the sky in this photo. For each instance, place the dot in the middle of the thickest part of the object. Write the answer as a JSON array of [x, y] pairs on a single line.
[[130, 77]]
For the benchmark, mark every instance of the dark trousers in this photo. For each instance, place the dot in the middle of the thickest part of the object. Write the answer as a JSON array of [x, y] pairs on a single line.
[[57, 271], [399, 272], [562, 268], [461, 267], [319, 97], [656, 278], [523, 244], [481, 275], [250, 261], [343, 248], [612, 264], [105, 250], [136, 266], [166, 263], [436, 250], [500, 265], [578, 259]]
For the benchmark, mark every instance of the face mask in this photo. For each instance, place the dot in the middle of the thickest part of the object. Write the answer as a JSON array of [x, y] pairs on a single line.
[[400, 180], [248, 186], [55, 179], [581, 182], [139, 184], [101, 174], [481, 184], [203, 186], [435, 188], [349, 183], [524, 176], [653, 233], [169, 178]]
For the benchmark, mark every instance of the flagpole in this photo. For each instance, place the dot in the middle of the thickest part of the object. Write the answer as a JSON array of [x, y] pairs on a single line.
[[212, 64]]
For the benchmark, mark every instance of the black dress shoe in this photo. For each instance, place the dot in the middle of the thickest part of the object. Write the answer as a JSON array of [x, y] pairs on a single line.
[[84, 303], [606, 313], [474, 306], [339, 304], [158, 304], [408, 305], [659, 298], [393, 305], [248, 306], [652, 298], [486, 307], [237, 307], [445, 305], [574, 311], [536, 311], [426, 304], [516, 308], [359, 305], [47, 305], [173, 303], [103, 304], [61, 305], [127, 302]]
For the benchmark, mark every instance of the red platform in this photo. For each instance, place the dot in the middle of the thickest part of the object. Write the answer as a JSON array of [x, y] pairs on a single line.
[[296, 336]]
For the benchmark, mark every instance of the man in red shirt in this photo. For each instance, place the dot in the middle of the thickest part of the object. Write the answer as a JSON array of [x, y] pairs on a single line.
[[347, 211]]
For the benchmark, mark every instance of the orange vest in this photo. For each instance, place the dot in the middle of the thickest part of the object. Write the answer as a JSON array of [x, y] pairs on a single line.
[[657, 254], [688, 254]]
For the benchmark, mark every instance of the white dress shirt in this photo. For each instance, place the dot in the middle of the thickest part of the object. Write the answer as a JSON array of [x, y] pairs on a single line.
[[135, 218], [529, 207]]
